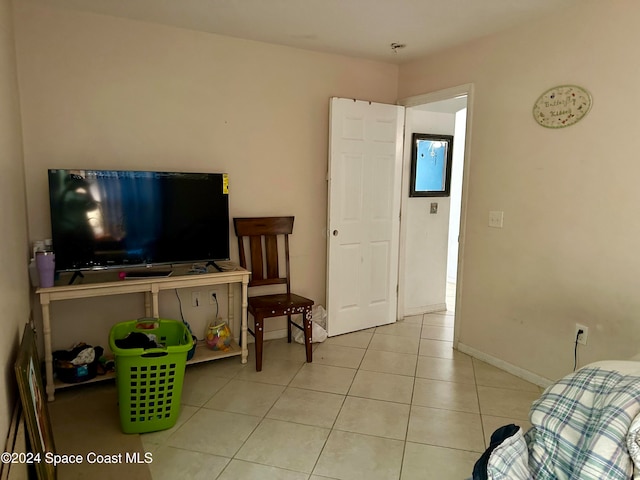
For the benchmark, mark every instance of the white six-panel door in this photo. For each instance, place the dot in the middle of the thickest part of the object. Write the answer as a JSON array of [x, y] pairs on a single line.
[[365, 170]]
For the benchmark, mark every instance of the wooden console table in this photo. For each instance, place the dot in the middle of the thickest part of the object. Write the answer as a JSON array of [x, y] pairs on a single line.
[[107, 283]]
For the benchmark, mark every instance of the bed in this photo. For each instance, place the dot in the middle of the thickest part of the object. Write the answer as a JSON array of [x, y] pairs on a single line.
[[585, 426]]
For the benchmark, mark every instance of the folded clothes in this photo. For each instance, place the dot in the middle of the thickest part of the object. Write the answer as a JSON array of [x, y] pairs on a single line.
[[80, 354], [138, 340], [88, 355]]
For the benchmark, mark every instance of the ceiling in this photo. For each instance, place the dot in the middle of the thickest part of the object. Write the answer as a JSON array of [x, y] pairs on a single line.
[[359, 28]]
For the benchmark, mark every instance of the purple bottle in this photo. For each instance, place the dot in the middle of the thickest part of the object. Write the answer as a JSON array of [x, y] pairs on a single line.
[[46, 264]]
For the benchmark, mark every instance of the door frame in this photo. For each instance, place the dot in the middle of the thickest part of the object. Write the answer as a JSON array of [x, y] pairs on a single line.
[[414, 101]]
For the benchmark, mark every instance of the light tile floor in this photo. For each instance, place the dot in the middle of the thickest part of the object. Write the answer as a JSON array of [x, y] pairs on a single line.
[[394, 402], [391, 403]]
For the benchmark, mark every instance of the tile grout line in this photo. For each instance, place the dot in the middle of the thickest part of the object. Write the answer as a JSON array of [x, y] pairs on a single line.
[[475, 379]]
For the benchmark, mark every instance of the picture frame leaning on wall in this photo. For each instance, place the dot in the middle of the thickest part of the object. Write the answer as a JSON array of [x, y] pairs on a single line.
[[34, 404]]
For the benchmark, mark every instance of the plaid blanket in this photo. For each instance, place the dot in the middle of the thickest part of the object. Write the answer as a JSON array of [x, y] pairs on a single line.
[[580, 429]]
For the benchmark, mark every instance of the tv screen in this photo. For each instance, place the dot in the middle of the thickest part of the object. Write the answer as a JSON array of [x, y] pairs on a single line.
[[114, 218]]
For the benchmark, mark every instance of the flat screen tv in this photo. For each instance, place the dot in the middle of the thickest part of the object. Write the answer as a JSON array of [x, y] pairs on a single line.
[[114, 218]]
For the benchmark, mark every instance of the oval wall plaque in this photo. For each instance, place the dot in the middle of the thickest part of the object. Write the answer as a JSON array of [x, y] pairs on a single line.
[[562, 106]]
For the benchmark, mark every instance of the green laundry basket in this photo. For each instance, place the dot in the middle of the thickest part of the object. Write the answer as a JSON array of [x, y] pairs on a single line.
[[150, 381]]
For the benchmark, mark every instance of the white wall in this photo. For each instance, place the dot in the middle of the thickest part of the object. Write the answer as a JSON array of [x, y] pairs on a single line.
[[425, 248], [104, 92], [14, 287], [568, 251]]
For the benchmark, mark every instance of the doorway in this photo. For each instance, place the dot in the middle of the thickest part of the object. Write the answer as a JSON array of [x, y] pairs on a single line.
[[423, 247], [431, 236]]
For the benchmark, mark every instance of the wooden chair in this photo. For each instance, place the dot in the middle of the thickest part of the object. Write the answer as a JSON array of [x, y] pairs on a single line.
[[263, 234]]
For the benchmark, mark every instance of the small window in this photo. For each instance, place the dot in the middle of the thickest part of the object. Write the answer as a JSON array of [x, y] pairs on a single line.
[[431, 157]]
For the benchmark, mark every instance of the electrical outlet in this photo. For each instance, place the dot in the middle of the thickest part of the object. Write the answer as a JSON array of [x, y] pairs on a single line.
[[582, 338], [195, 299]]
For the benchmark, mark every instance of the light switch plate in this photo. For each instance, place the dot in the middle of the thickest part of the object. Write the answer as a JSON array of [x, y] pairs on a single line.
[[496, 219]]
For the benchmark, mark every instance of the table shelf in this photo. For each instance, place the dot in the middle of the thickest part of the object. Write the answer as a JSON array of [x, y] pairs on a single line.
[[107, 283], [202, 354]]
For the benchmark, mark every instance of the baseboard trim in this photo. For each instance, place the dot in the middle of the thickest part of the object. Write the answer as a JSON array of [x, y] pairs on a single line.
[[438, 307], [506, 366]]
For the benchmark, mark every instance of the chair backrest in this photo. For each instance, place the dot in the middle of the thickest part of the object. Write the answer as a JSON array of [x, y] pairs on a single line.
[[262, 234]]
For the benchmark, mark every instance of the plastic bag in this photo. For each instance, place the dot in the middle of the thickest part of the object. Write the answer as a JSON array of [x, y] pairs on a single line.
[[318, 327], [319, 316]]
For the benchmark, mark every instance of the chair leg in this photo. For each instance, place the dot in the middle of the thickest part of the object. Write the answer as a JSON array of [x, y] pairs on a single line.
[[259, 338], [288, 328], [307, 333]]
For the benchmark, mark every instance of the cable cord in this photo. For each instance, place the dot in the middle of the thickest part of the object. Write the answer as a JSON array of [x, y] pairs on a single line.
[[575, 351], [216, 299], [179, 303]]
